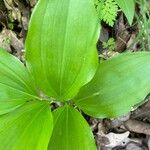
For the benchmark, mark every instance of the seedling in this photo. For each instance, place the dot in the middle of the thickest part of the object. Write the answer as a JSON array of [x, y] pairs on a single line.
[[109, 45], [62, 66]]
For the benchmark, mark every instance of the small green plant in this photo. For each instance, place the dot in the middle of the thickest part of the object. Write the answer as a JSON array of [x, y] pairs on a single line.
[[62, 66], [108, 9], [109, 45]]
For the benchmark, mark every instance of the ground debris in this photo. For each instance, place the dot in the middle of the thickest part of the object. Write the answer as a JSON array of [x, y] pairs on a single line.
[[137, 126]]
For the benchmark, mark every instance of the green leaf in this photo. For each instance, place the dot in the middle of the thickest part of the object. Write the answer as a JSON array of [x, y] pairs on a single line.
[[29, 127], [71, 131], [119, 83], [128, 7], [61, 46], [16, 85], [108, 11]]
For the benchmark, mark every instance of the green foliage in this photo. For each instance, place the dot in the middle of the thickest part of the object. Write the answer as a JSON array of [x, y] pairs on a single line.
[[128, 7], [109, 45], [27, 128], [118, 84], [62, 79], [70, 126], [16, 85], [61, 58], [107, 10]]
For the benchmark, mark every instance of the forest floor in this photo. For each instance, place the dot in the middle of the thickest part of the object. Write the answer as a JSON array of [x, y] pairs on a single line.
[[129, 132]]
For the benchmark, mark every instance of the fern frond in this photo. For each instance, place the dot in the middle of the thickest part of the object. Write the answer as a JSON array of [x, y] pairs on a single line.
[[107, 10], [99, 5]]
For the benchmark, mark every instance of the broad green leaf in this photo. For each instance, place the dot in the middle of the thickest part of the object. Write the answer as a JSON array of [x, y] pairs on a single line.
[[16, 85], [71, 131], [61, 46], [28, 127], [128, 7], [119, 84]]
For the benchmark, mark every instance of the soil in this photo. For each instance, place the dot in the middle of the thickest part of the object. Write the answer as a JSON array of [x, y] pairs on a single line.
[[129, 132]]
